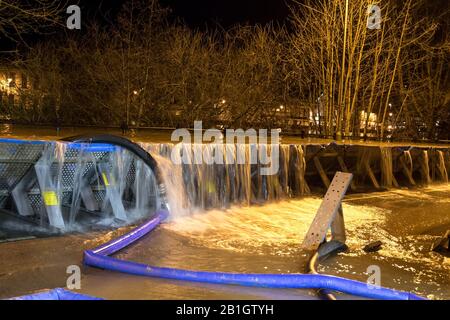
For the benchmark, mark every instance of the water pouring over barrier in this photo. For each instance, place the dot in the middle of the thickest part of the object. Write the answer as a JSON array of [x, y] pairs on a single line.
[[235, 178], [442, 166], [387, 178], [425, 167]]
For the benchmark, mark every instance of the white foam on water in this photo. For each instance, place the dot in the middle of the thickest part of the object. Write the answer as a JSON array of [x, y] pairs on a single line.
[[279, 225]]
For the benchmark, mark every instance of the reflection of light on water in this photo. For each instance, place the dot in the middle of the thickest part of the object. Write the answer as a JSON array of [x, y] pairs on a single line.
[[276, 228], [5, 128], [424, 193]]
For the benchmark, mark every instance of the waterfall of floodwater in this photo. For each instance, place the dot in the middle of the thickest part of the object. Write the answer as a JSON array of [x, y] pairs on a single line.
[[365, 157], [408, 159], [441, 166], [207, 176], [387, 174], [196, 177], [425, 167], [302, 187]]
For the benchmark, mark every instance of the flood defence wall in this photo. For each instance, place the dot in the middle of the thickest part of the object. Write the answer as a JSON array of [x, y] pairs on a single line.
[[303, 169]]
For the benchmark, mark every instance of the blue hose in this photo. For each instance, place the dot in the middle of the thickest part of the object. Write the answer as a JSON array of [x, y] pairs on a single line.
[[99, 257]]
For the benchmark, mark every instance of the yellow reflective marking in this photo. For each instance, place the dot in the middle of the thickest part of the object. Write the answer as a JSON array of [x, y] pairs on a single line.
[[50, 198], [105, 179]]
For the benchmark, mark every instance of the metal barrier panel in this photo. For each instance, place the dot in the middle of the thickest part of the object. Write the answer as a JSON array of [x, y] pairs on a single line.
[[51, 183], [16, 159]]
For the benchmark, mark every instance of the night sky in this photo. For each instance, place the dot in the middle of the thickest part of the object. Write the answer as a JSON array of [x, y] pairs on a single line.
[[201, 13], [195, 13], [228, 12]]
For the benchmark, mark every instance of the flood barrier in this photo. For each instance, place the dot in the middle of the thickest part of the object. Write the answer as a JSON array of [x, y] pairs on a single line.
[[54, 183], [67, 186]]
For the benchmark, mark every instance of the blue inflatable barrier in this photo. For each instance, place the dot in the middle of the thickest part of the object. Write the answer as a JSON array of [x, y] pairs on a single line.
[[92, 147], [99, 257], [19, 141], [56, 294], [88, 147]]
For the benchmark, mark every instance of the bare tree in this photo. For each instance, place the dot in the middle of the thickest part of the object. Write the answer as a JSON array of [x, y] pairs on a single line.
[[353, 67], [20, 17]]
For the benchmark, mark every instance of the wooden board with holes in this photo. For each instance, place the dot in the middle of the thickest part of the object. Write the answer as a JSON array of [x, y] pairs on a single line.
[[327, 211]]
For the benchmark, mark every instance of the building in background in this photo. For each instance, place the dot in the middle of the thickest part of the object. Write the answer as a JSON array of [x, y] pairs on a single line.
[[13, 83]]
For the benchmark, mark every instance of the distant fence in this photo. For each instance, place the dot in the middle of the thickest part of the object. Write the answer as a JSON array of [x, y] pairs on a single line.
[[300, 133]]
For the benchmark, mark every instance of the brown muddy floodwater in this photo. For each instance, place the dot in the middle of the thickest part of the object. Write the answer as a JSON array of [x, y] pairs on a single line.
[[258, 239]]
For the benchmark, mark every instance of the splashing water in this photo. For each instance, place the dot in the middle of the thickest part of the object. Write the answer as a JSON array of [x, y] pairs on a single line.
[[275, 228]]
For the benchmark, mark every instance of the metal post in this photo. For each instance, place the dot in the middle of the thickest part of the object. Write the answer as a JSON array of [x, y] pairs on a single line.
[[113, 195], [49, 185]]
